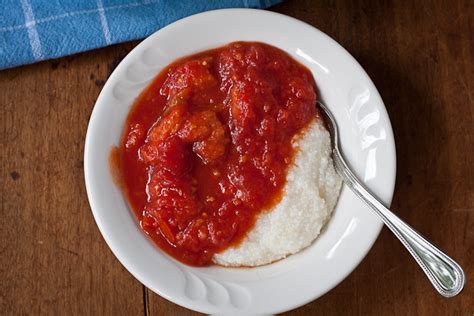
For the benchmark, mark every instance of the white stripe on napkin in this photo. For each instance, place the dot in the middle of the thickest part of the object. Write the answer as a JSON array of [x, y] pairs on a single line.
[[103, 21], [30, 23]]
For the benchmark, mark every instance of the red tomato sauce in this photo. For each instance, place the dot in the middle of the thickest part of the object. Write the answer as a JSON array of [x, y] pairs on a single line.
[[207, 146]]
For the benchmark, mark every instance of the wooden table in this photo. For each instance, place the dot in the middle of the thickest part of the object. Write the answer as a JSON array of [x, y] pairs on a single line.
[[419, 55]]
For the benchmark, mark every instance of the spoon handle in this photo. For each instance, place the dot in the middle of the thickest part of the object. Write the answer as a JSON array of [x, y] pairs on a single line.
[[444, 273]]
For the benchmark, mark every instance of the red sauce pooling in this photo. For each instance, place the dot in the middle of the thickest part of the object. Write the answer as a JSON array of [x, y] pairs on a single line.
[[207, 145]]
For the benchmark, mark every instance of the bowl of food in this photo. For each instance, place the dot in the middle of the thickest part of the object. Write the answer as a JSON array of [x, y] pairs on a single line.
[[208, 167]]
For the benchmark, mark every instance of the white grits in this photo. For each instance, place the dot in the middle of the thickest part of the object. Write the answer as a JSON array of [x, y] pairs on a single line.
[[309, 197]]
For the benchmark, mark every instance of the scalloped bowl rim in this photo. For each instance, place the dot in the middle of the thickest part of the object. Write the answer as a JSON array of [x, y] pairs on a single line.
[[366, 139]]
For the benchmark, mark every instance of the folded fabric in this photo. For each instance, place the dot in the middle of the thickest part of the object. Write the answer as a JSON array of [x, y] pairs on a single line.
[[35, 30]]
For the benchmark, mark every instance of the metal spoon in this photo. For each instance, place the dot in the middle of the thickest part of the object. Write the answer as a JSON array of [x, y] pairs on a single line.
[[444, 273]]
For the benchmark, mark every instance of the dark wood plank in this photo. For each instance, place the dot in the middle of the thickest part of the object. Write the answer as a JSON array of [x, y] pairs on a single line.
[[53, 259], [158, 306]]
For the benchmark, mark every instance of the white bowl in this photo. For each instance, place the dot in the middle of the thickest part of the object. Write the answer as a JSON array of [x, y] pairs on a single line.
[[367, 142]]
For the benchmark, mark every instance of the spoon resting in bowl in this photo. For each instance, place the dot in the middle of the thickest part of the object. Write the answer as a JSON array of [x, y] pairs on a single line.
[[444, 273]]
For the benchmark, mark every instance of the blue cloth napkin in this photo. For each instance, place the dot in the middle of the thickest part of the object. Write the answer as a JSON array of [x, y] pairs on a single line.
[[35, 30]]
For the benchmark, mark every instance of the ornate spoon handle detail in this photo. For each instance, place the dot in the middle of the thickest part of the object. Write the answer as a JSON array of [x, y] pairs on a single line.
[[444, 273]]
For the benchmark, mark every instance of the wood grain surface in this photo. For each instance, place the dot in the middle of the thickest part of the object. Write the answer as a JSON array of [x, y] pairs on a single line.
[[419, 55]]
